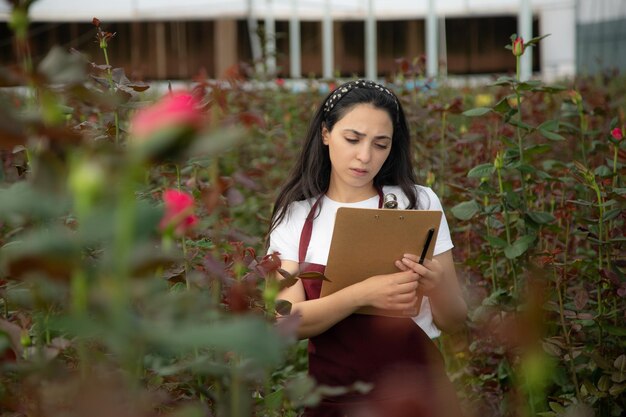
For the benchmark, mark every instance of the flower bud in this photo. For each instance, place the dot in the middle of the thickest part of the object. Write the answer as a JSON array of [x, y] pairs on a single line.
[[518, 46], [575, 96], [498, 163], [87, 178], [178, 217], [617, 133]]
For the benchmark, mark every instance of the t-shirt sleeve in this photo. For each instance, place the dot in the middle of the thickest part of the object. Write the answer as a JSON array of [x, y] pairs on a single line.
[[444, 241], [285, 238]]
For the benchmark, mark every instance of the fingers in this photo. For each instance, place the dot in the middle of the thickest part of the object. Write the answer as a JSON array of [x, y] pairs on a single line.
[[407, 298], [405, 276], [401, 266], [411, 261]]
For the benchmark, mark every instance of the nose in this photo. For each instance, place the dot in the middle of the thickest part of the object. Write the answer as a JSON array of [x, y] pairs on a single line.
[[364, 153]]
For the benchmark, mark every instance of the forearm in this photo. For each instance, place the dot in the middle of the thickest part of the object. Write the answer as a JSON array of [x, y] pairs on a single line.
[[317, 316], [448, 308]]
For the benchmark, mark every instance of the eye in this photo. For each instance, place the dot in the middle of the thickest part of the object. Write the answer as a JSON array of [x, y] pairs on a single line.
[[382, 146], [352, 140]]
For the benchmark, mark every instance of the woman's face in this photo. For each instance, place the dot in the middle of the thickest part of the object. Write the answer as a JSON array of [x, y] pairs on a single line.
[[358, 144]]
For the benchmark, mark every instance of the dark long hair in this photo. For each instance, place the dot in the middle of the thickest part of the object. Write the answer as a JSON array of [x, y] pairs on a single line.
[[310, 176]]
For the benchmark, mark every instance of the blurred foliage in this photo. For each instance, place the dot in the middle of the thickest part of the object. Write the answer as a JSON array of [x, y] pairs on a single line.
[[91, 290]]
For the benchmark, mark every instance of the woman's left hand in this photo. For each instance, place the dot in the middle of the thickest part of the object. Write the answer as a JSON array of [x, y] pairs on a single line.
[[430, 273]]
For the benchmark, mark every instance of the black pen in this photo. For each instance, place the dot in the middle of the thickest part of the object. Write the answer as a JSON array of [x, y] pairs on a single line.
[[429, 237]]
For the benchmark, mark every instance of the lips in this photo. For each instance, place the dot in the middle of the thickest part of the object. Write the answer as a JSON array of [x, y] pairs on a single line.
[[359, 172]]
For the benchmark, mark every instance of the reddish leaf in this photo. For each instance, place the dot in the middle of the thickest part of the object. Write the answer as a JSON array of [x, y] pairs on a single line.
[[285, 274], [312, 275], [581, 298], [287, 282], [251, 119], [283, 307], [270, 263]]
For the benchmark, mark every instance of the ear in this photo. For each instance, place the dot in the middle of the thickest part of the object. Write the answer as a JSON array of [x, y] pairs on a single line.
[[325, 135]]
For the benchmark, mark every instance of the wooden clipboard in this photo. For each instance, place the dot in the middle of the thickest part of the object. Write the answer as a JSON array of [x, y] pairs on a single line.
[[366, 242]]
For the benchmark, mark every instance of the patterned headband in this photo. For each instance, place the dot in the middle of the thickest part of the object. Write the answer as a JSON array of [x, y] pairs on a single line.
[[344, 89]]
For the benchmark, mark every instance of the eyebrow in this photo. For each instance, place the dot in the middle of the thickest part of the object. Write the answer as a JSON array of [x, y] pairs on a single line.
[[360, 134]]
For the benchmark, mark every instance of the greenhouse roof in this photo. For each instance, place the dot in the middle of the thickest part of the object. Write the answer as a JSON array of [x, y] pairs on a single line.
[[125, 10]]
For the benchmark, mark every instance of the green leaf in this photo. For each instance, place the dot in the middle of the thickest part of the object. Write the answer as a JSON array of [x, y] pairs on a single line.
[[557, 407], [478, 111], [518, 247], [274, 400], [529, 85], [22, 201], [496, 242], [502, 106], [611, 214], [535, 40], [550, 88], [480, 171], [551, 135], [519, 124], [537, 149], [504, 80], [247, 336], [550, 125], [615, 330], [603, 171], [465, 210], [541, 217], [525, 168]]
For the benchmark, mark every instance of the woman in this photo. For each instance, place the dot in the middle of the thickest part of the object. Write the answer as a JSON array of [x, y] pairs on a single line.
[[358, 149]]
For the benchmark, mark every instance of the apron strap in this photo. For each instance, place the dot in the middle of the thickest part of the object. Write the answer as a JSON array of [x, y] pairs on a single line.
[[307, 229]]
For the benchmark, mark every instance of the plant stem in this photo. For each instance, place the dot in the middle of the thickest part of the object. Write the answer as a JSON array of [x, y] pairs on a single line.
[[583, 130], [615, 149], [494, 283], [596, 188], [506, 225], [235, 393], [183, 241], [562, 316], [103, 45], [442, 153], [520, 148]]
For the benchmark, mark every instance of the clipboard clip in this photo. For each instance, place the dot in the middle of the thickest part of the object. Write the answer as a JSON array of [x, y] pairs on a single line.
[[390, 201]]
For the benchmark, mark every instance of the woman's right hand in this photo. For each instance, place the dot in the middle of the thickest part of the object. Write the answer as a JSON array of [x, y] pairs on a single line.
[[396, 291]]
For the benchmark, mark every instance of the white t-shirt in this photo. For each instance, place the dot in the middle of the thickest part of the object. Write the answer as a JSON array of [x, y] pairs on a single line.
[[285, 238]]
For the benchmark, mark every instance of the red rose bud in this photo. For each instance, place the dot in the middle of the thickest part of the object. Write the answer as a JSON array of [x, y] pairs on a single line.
[[518, 46], [617, 133], [178, 215]]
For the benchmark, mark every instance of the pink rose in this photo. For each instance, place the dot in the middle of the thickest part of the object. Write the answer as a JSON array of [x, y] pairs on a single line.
[[175, 110], [617, 133], [178, 215]]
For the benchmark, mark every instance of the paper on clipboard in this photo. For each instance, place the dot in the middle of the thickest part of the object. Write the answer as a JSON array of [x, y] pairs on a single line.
[[366, 242]]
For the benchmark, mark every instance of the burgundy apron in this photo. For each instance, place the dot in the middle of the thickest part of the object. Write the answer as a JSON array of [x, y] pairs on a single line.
[[394, 354]]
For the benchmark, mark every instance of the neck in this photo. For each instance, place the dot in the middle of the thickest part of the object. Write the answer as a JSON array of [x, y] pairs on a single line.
[[351, 195]]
